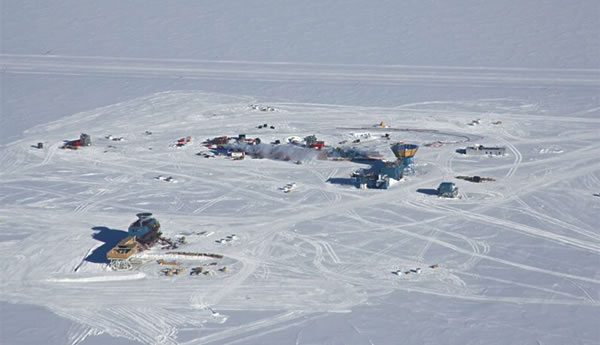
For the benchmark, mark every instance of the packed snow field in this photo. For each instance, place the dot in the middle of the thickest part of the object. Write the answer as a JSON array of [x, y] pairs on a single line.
[[326, 246], [512, 261]]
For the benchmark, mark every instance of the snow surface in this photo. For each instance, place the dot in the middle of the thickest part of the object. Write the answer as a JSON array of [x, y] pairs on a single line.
[[517, 257]]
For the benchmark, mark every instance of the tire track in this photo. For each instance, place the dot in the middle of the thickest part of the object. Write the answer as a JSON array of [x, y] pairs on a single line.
[[474, 245], [595, 248], [332, 254], [84, 205], [238, 331], [515, 283], [50, 154], [11, 161], [77, 333], [528, 210], [421, 255], [518, 159], [495, 259], [209, 204]]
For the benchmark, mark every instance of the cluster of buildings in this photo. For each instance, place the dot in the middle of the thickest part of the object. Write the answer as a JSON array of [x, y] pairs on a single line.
[[382, 173], [142, 233], [240, 146]]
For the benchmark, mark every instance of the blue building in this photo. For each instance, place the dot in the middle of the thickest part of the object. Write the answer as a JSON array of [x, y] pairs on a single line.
[[379, 174], [146, 229], [371, 180], [392, 170]]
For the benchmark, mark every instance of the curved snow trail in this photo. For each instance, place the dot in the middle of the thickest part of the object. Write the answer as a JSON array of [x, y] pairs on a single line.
[[518, 158], [429, 240], [465, 137]]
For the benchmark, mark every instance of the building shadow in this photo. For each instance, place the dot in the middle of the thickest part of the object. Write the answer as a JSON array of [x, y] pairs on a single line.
[[428, 191], [345, 181], [373, 166], [110, 237]]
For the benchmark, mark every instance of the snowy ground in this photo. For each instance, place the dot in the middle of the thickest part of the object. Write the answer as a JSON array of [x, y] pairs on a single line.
[[324, 248], [517, 257]]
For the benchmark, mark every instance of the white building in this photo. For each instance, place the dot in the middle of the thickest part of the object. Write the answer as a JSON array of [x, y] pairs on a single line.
[[484, 150]]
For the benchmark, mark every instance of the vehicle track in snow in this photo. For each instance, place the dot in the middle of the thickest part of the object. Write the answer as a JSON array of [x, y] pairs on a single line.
[[89, 201], [11, 160], [421, 255], [514, 226], [51, 151], [256, 328], [335, 261], [495, 259], [77, 333], [528, 210], [518, 158]]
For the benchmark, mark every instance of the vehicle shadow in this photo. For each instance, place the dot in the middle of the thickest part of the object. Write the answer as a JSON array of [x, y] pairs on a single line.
[[110, 237], [428, 191]]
